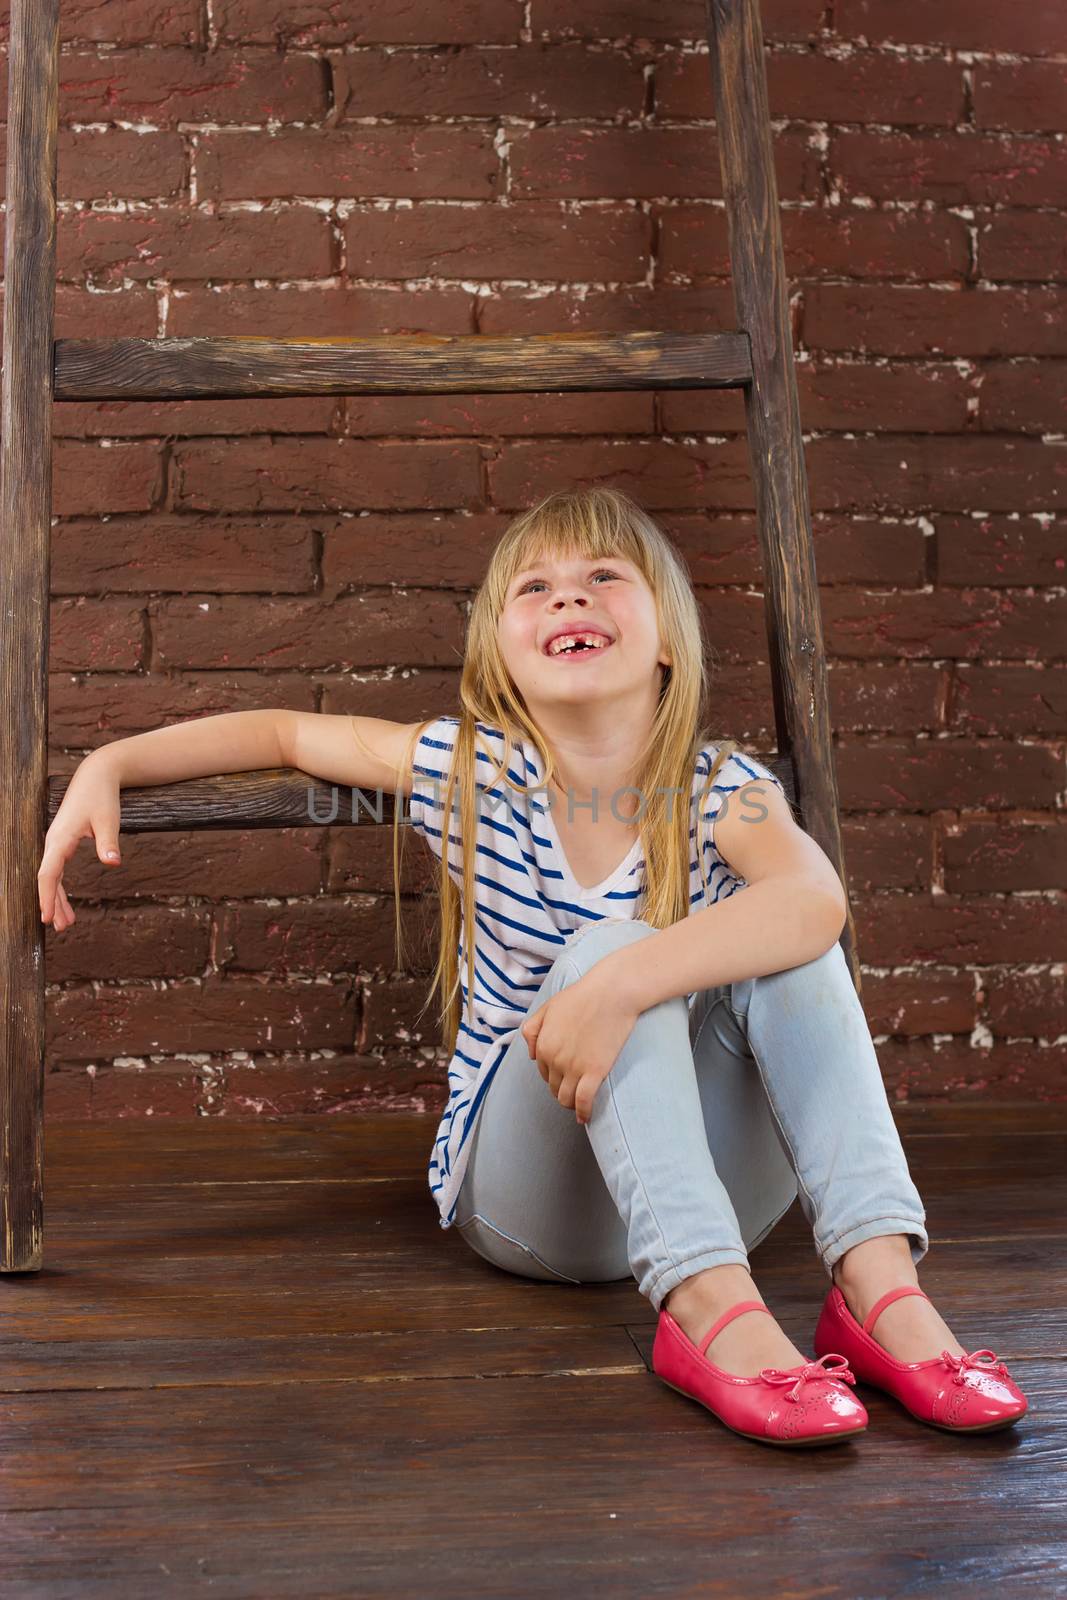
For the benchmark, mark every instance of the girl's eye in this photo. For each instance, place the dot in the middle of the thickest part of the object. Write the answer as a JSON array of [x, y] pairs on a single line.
[[600, 572]]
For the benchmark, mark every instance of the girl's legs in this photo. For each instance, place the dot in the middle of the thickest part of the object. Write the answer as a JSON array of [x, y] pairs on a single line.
[[676, 1170], [654, 1199], [805, 1031]]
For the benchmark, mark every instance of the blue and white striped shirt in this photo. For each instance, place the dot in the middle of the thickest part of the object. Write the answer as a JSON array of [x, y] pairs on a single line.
[[528, 905]]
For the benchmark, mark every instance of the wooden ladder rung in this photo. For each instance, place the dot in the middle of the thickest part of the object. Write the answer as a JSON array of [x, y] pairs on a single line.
[[202, 368], [277, 797]]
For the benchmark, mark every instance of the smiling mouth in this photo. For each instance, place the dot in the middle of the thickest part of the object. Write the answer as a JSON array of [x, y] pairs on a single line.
[[569, 652]]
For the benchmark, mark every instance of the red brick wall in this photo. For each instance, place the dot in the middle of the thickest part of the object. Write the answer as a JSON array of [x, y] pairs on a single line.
[[489, 166]]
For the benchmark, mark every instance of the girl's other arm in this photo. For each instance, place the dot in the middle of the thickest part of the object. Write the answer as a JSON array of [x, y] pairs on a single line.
[[791, 910]]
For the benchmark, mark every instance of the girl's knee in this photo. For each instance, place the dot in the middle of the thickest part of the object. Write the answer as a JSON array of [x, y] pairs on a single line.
[[829, 968], [596, 939], [825, 974]]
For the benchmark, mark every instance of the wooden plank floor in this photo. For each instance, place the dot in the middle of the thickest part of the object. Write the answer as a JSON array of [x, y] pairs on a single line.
[[254, 1365]]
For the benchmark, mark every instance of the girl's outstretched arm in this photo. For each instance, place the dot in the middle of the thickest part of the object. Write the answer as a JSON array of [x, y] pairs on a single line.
[[791, 909], [363, 751]]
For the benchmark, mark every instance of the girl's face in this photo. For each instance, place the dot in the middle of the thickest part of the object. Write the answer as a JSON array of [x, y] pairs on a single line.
[[607, 596]]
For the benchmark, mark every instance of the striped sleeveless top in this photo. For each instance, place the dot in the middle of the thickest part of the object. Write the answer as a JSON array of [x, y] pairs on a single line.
[[528, 905]]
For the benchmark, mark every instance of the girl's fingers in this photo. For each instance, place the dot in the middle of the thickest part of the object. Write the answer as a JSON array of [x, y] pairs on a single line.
[[62, 914]]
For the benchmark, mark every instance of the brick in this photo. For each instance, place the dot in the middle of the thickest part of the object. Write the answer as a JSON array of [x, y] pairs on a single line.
[[1020, 94], [1000, 550], [116, 164], [531, 80], [957, 623], [675, 19], [408, 697], [955, 1070], [899, 320], [870, 696], [1027, 1004], [958, 930], [861, 698], [90, 479], [68, 1095], [601, 163], [132, 419], [726, 549], [92, 711], [997, 857], [1024, 396], [952, 473], [360, 860], [839, 395], [315, 474], [931, 397], [85, 314], [660, 476], [137, 555], [526, 241], [669, 310], [444, 416], [742, 681], [318, 22], [168, 86], [358, 631], [281, 1086], [416, 163], [95, 635], [154, 22], [115, 941], [410, 550], [693, 242], [335, 934], [885, 852], [737, 625], [178, 1090], [876, 244], [953, 169], [220, 1013], [1008, 700], [960, 24], [318, 311], [1021, 246], [920, 1003], [934, 774], [174, 244], [391, 1017], [866, 86]]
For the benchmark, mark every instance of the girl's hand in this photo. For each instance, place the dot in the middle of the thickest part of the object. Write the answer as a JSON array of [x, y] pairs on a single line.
[[576, 1036], [90, 809]]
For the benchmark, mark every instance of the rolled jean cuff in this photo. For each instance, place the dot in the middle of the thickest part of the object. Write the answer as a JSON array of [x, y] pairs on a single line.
[[661, 1286], [879, 1227]]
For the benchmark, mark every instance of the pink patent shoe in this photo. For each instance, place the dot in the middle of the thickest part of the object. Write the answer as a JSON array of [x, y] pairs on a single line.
[[972, 1393], [804, 1405]]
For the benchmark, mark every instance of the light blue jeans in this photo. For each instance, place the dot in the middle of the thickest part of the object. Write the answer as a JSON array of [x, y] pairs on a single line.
[[707, 1128]]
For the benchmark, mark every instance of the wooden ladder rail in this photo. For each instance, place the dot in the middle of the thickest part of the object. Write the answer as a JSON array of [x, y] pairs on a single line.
[[38, 369]]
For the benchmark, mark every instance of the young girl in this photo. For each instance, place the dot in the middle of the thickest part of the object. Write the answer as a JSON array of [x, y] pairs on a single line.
[[656, 1042]]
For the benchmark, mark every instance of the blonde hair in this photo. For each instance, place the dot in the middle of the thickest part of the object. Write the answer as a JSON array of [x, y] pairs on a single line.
[[596, 524]]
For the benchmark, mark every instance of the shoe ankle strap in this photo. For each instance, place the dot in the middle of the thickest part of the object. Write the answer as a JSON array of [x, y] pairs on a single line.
[[728, 1316], [887, 1299]]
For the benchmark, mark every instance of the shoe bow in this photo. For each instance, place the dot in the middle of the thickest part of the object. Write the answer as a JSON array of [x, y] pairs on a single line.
[[810, 1369], [973, 1359]]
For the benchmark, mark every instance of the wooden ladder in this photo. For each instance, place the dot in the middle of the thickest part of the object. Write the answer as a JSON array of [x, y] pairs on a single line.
[[39, 369]]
